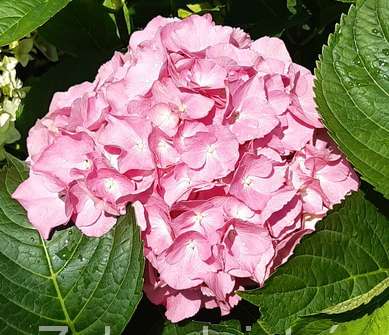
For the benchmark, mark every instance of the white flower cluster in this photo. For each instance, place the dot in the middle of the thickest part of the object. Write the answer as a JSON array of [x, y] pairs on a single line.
[[11, 88]]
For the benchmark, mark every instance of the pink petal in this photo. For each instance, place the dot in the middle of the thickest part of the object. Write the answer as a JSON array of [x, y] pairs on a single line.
[[39, 195]]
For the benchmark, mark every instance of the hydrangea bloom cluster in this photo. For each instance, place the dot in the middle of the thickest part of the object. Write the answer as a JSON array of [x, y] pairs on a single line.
[[213, 138]]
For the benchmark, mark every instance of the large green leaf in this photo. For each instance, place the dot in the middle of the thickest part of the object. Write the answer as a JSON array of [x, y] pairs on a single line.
[[20, 17], [352, 89], [83, 283], [199, 328], [340, 267]]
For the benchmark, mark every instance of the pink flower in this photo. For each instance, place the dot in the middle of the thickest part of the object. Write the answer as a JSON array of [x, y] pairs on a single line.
[[194, 34], [235, 209], [178, 182], [62, 101], [187, 261], [147, 64], [214, 152], [249, 250], [220, 288], [131, 136], [205, 217], [182, 105], [40, 195], [206, 74], [110, 186], [323, 175], [283, 213], [92, 216], [256, 179], [273, 48], [154, 219], [163, 148], [215, 142], [179, 304], [39, 138], [66, 158], [152, 29]]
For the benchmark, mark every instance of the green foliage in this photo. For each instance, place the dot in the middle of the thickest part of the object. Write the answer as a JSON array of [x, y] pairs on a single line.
[[83, 283], [370, 319], [200, 328], [261, 328], [376, 323], [18, 18], [340, 267], [314, 326], [352, 89], [291, 4], [75, 30], [216, 8]]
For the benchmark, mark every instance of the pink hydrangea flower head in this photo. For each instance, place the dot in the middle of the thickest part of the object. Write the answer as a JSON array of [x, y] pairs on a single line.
[[212, 138]]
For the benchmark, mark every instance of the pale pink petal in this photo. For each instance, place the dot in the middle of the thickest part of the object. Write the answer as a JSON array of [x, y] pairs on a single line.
[[40, 196], [271, 47], [194, 34], [64, 155]]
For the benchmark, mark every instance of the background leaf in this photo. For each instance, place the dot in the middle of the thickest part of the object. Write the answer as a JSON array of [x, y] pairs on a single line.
[[200, 328], [314, 326], [376, 323], [352, 89], [345, 260], [261, 328], [18, 18], [84, 283], [84, 28], [370, 319]]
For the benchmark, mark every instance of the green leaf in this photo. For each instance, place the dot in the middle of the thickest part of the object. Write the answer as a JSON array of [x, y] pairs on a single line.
[[314, 327], [199, 328], [352, 89], [199, 7], [183, 13], [72, 280], [291, 4], [325, 324], [18, 18], [114, 5], [345, 260], [261, 328], [376, 323]]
